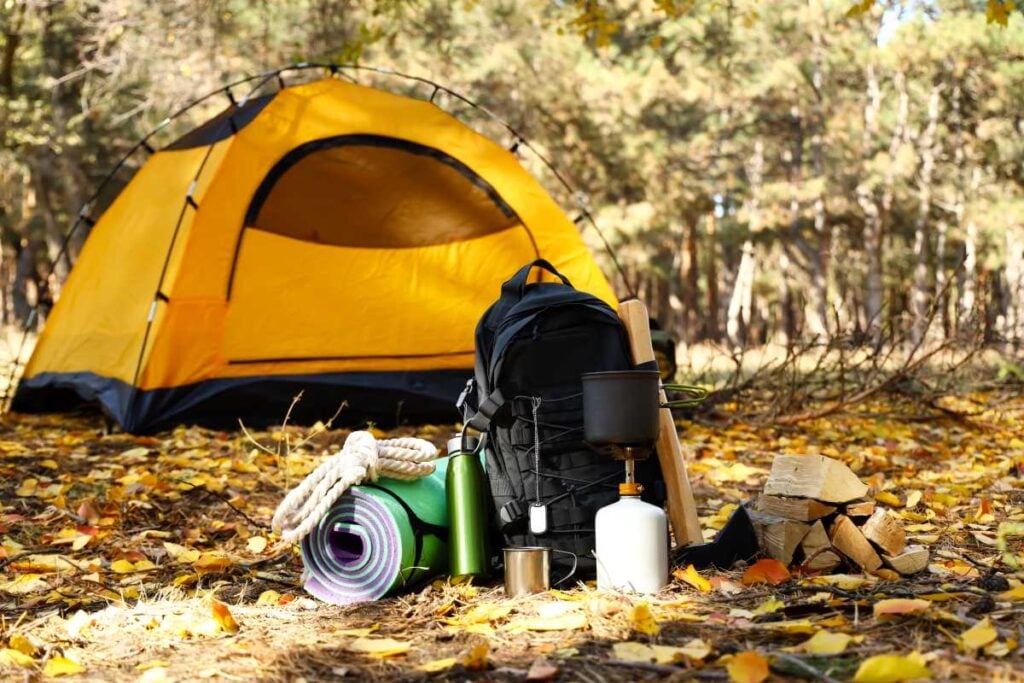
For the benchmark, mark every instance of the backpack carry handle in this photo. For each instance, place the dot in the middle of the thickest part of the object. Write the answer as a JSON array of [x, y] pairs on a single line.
[[516, 285]]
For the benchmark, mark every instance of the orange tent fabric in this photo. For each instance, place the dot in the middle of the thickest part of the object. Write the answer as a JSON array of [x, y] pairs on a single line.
[[330, 238]]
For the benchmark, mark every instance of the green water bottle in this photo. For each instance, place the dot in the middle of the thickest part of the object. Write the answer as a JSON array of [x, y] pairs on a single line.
[[466, 488]]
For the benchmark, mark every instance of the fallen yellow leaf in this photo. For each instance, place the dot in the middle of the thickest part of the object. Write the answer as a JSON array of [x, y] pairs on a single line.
[[11, 657], [476, 658], [357, 632], [157, 674], [61, 666], [379, 647], [212, 562], [122, 567], [978, 636], [268, 597], [180, 553], [888, 498], [480, 613], [24, 584], [21, 644], [847, 582], [643, 621], [1014, 594], [692, 577], [895, 607], [794, 626], [826, 643], [438, 665], [1001, 648], [696, 649], [769, 606], [891, 669], [747, 667], [222, 615], [257, 544], [570, 621], [27, 488], [633, 651]]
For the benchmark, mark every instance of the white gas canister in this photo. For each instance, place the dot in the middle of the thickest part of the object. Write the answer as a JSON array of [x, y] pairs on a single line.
[[632, 544]]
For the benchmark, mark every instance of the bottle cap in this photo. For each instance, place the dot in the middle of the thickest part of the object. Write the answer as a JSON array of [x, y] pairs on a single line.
[[630, 488], [455, 443]]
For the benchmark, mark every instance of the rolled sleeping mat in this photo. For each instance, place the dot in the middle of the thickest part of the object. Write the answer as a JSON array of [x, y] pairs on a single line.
[[378, 539]]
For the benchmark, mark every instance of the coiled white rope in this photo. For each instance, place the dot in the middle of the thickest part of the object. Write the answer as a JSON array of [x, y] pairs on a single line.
[[362, 458]]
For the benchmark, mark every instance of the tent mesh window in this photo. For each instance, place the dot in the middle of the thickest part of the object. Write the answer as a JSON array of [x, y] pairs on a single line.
[[376, 192]]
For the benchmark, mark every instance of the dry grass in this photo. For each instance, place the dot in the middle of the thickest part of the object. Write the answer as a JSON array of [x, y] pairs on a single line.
[[212, 491]]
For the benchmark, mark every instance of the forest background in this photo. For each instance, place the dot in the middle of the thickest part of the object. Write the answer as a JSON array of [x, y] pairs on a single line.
[[765, 172]]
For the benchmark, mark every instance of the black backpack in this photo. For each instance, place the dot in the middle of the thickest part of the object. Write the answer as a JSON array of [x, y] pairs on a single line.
[[532, 347]]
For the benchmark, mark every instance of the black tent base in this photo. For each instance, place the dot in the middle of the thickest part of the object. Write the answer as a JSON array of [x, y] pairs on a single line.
[[386, 399]]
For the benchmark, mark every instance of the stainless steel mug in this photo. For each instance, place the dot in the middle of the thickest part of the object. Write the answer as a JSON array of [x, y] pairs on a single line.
[[528, 570]]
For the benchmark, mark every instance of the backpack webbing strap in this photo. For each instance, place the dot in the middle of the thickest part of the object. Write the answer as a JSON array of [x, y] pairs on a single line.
[[514, 512], [488, 408]]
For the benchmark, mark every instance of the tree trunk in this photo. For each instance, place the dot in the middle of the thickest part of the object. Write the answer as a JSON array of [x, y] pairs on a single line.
[[872, 216], [817, 309], [711, 319], [738, 318], [795, 160], [921, 294], [689, 275], [12, 40], [969, 298], [942, 277], [1013, 328]]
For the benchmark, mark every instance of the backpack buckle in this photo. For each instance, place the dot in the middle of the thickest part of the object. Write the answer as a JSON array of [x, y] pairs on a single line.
[[510, 515], [461, 404]]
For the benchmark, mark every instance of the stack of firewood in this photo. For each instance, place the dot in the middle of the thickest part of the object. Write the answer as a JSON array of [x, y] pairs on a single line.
[[815, 511]]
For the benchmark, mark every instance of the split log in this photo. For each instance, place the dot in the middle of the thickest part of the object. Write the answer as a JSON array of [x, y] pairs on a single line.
[[779, 537], [800, 509], [859, 508], [818, 553], [912, 560], [848, 540], [885, 531], [814, 476]]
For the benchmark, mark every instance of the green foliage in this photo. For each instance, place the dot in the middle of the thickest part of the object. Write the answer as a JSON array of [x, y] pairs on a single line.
[[654, 109]]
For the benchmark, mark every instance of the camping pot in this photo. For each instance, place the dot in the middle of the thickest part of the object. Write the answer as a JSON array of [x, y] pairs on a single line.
[[620, 408]]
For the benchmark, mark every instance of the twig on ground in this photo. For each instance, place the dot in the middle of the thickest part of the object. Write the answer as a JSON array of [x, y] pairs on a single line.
[[805, 667], [224, 499]]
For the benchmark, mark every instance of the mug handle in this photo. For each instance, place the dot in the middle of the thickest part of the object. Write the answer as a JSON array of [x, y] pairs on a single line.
[[575, 563]]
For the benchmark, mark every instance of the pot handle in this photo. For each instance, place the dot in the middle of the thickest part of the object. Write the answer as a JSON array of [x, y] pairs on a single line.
[[697, 395]]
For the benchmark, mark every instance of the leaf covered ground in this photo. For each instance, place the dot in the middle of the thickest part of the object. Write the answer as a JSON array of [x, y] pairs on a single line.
[[149, 559]]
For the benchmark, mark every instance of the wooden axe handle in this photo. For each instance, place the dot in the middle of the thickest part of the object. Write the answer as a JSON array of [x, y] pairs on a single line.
[[682, 510]]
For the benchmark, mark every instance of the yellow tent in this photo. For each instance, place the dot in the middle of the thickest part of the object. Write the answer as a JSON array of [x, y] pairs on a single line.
[[328, 237]]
